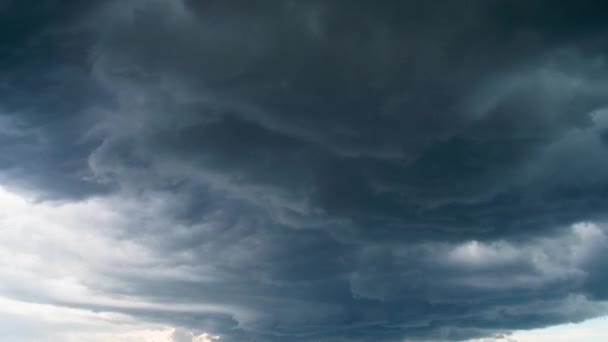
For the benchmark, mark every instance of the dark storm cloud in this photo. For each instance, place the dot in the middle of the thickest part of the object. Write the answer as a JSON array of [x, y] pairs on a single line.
[[330, 163], [45, 93], [396, 115]]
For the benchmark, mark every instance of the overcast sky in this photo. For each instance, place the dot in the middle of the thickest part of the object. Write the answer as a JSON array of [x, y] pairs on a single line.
[[303, 170]]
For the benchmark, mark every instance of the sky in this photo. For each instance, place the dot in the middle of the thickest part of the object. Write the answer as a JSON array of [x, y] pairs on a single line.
[[303, 171]]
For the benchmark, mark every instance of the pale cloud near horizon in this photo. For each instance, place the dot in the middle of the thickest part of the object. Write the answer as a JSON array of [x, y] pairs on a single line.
[[58, 260], [593, 330], [28, 321], [61, 324]]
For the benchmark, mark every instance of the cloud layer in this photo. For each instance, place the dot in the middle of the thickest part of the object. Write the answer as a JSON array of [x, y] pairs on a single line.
[[304, 171]]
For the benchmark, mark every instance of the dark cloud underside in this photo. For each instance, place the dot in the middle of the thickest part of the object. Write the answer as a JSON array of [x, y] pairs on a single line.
[[347, 170]]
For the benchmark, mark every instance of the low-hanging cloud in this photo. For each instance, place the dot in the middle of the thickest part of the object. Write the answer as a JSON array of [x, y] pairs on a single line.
[[304, 171]]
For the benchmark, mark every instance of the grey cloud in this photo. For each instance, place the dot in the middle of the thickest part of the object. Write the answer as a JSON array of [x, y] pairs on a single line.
[[323, 171], [47, 96], [302, 286], [315, 133]]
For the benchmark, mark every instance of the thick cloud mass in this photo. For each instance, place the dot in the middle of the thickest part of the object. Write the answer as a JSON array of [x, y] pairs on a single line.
[[315, 170]]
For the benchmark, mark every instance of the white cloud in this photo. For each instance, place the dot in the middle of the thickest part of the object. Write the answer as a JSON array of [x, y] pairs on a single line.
[[61, 324], [594, 330], [535, 262], [61, 253]]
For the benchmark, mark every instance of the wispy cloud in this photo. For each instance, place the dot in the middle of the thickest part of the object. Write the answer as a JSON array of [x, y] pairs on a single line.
[[288, 171]]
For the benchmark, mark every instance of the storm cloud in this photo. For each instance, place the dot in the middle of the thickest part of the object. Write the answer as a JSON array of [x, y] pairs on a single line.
[[307, 170]]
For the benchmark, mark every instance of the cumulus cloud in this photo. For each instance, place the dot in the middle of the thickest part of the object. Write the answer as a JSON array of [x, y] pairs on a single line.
[[281, 170]]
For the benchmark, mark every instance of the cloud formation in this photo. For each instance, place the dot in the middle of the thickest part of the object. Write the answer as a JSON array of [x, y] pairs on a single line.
[[304, 171]]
